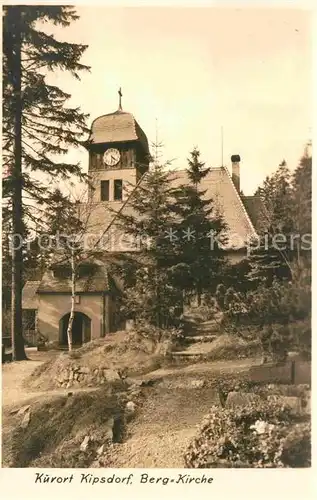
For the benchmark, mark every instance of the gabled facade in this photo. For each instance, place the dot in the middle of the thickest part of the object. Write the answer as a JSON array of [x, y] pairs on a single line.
[[95, 302]]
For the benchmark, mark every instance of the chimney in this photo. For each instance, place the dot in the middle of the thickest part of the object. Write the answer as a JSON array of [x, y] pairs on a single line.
[[235, 159]]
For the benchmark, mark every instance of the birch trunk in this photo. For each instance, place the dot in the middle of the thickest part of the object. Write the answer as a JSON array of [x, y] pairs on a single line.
[[72, 306]]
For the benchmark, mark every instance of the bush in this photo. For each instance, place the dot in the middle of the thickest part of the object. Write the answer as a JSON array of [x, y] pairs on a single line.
[[301, 337], [205, 312], [226, 347], [264, 435], [268, 313], [281, 303]]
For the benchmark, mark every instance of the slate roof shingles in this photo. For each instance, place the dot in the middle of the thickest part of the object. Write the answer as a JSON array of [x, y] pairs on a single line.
[[117, 127]]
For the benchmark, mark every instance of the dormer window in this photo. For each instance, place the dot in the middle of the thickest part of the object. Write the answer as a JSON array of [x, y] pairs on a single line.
[[62, 272], [65, 272]]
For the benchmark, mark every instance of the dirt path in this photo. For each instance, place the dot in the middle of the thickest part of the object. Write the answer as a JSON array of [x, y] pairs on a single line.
[[165, 422], [228, 366], [161, 432], [14, 375], [168, 420]]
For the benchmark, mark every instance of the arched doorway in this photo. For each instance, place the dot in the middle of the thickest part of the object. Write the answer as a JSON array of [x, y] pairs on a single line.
[[81, 329]]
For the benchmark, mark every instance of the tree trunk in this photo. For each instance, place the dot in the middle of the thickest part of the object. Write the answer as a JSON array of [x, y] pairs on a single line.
[[72, 307], [199, 294], [158, 299], [18, 351]]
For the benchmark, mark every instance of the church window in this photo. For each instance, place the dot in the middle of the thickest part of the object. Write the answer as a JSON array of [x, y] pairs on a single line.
[[117, 189], [104, 190]]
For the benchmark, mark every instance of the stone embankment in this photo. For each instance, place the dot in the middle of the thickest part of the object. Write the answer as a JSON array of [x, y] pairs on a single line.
[[76, 375]]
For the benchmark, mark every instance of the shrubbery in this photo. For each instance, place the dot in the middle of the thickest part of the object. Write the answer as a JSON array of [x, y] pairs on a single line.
[[264, 435], [280, 303], [269, 313], [205, 312]]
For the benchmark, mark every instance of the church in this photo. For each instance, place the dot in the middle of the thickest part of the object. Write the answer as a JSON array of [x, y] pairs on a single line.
[[118, 159]]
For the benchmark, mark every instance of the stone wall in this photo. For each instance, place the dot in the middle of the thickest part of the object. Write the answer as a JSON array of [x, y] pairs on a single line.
[[291, 372], [76, 375]]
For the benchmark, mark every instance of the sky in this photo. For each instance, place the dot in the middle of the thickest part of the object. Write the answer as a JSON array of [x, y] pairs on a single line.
[[188, 73]]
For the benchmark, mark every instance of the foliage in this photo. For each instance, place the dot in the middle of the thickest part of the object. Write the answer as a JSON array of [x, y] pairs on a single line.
[[149, 295], [37, 125], [157, 335], [6, 322], [146, 301], [301, 334], [198, 258], [284, 224], [237, 276], [196, 170], [264, 435], [302, 195], [276, 199], [58, 426], [280, 303], [267, 313], [205, 312], [226, 347], [49, 126], [169, 266]]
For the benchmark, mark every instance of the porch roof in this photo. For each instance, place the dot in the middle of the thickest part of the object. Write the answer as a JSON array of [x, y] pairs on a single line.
[[29, 295]]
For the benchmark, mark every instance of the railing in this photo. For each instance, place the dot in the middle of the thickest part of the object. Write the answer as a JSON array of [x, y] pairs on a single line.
[[30, 337]]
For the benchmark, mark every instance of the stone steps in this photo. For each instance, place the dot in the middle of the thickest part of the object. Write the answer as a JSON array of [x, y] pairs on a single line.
[[194, 329], [197, 343], [200, 339]]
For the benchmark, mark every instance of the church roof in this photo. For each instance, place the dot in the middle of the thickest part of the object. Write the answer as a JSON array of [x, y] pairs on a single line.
[[119, 126], [51, 284], [256, 210], [96, 280], [219, 187]]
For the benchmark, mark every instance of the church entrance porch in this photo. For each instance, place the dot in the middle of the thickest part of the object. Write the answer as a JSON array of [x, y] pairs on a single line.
[[81, 329]]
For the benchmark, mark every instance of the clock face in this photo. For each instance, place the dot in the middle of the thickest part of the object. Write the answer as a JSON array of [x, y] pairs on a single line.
[[111, 157]]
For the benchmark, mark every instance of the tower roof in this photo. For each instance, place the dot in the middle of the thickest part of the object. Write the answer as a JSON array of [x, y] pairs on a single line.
[[119, 126]]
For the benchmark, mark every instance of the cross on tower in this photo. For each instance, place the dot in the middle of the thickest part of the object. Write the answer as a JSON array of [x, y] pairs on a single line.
[[120, 95]]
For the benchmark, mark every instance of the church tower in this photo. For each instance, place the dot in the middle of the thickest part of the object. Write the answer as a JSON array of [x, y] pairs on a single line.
[[118, 156]]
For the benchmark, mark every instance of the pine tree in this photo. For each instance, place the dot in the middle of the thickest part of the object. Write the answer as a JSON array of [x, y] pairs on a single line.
[[37, 126], [200, 229], [302, 207], [196, 170], [273, 256], [149, 294]]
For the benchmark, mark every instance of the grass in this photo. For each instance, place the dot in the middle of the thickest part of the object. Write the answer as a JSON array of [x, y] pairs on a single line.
[[58, 426], [227, 347]]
